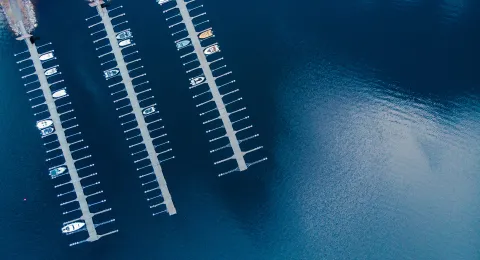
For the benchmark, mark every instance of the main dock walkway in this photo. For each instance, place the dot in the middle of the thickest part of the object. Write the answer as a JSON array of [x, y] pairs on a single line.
[[217, 97], [136, 107], [69, 162], [59, 130], [195, 38]]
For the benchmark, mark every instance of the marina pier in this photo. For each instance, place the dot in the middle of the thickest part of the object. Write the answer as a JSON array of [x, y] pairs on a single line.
[[193, 41], [65, 148], [134, 101]]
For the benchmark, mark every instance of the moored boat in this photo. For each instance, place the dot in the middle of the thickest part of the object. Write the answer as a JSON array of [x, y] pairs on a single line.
[[51, 71], [127, 34], [125, 43], [111, 73], [46, 56], [59, 93], [183, 44], [72, 227], [57, 171], [47, 131], [197, 80], [161, 2], [212, 49], [44, 123], [206, 34], [148, 111]]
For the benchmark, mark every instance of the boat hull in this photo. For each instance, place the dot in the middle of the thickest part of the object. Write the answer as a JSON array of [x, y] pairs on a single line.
[[111, 73], [148, 111], [59, 93], [183, 44], [47, 131], [72, 227], [197, 80], [124, 35], [50, 72], [46, 56], [205, 34], [125, 43]]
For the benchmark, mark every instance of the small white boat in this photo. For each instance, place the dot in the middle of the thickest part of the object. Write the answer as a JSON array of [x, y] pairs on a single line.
[[125, 43], [46, 56], [72, 227], [183, 44], [148, 111], [127, 34], [51, 71], [212, 49], [197, 80], [161, 2], [111, 73], [206, 34], [59, 93], [57, 171], [47, 131], [44, 123]]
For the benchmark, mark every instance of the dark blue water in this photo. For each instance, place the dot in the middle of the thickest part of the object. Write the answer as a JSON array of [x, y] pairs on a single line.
[[369, 112]]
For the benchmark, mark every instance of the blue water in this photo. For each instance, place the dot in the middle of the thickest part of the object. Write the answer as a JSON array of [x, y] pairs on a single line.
[[369, 112]]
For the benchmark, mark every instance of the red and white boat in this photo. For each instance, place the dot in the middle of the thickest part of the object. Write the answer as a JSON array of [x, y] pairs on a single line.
[[211, 49]]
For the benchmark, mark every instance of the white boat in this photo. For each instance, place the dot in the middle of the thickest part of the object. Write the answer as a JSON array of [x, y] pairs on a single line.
[[125, 43], [148, 111], [111, 73], [72, 227], [44, 123], [127, 34], [161, 2], [211, 50], [51, 71], [57, 171], [183, 44], [205, 34], [46, 56], [197, 80], [47, 131], [59, 93]]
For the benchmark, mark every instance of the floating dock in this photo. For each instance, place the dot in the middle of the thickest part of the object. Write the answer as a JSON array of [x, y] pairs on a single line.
[[135, 102], [198, 47], [65, 148]]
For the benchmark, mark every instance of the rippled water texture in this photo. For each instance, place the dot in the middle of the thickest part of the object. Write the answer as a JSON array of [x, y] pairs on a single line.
[[369, 110]]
